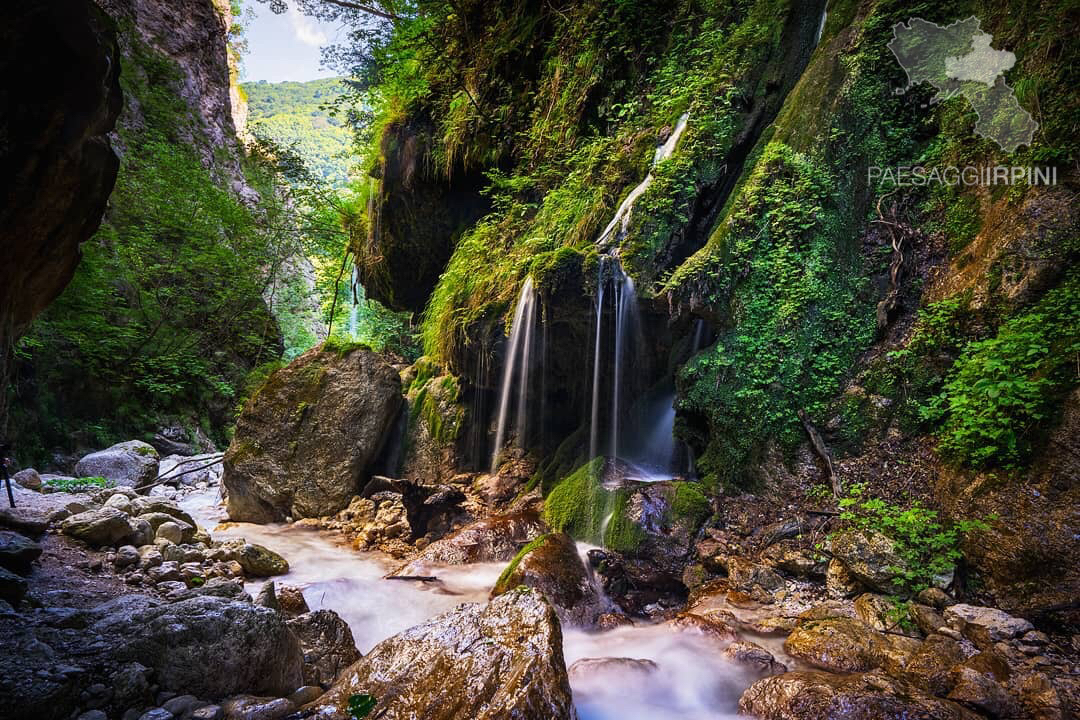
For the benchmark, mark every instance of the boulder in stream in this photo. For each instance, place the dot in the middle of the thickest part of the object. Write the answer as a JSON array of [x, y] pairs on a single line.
[[309, 436], [483, 662], [132, 463]]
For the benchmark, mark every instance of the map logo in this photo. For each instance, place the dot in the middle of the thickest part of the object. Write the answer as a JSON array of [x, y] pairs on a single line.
[[957, 60]]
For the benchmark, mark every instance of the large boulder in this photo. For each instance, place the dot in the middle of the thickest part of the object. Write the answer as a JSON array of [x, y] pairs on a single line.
[[207, 646], [985, 626], [103, 526], [327, 643], [551, 564], [309, 436], [484, 662], [132, 463], [814, 695]]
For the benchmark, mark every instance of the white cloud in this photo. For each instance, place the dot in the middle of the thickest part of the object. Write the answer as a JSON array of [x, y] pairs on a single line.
[[305, 29]]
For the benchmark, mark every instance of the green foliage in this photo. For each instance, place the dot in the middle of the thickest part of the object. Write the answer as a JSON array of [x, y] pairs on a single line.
[[361, 705], [927, 546], [798, 319], [303, 116], [1004, 389], [76, 484]]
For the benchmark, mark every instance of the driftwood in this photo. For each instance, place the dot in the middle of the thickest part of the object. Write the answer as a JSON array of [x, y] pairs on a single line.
[[822, 451], [414, 578], [169, 477]]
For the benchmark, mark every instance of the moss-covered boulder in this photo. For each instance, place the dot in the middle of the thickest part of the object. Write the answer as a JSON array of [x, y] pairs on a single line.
[[552, 565], [307, 439], [499, 660], [436, 421]]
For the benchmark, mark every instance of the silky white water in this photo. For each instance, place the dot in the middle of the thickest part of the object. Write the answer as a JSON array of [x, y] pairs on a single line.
[[517, 369], [693, 681]]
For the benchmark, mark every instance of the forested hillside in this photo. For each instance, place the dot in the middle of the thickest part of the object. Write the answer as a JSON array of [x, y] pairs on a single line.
[[301, 115]]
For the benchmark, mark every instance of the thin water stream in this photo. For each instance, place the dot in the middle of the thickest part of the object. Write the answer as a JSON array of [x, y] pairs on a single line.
[[692, 680]]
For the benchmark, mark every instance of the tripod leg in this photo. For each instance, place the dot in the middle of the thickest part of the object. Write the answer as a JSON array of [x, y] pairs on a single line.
[[10, 495]]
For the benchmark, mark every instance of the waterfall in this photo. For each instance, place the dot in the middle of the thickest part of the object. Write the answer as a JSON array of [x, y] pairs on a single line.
[[821, 26], [594, 427], [626, 331], [622, 215], [517, 367], [354, 310]]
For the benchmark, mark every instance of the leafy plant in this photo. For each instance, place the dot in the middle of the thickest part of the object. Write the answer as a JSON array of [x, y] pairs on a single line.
[[361, 705], [927, 546], [76, 484]]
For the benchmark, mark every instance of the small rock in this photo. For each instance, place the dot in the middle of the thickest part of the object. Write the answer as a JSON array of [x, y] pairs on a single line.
[[120, 502], [156, 714], [590, 667], [208, 712], [246, 707], [149, 556], [985, 625], [259, 561], [104, 526], [170, 531], [92, 714], [754, 656], [166, 571], [291, 600], [17, 552], [935, 597], [126, 555], [28, 479], [183, 704], [24, 520], [267, 597], [839, 583], [12, 587]]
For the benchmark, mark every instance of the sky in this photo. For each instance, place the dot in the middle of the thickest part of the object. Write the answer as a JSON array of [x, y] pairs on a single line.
[[284, 47]]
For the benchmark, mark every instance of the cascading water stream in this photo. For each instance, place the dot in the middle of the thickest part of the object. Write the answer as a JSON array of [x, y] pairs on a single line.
[[518, 365], [594, 427], [354, 310], [622, 214]]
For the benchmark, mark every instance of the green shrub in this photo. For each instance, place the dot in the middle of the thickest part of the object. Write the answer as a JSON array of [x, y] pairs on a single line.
[[76, 484], [1003, 391], [928, 546]]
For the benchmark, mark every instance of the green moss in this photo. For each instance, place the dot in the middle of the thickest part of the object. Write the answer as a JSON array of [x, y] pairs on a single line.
[[502, 584], [582, 507], [690, 504], [342, 345]]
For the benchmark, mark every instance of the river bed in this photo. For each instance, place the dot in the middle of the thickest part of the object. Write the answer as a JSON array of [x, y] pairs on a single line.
[[693, 680]]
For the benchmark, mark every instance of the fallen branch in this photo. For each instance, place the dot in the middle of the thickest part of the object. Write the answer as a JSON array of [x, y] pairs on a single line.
[[822, 451], [413, 578], [169, 477]]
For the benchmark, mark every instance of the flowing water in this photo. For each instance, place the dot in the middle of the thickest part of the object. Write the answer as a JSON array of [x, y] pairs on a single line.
[[518, 368], [692, 680]]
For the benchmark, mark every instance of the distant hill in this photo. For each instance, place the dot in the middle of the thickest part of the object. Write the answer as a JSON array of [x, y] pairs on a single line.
[[291, 113]]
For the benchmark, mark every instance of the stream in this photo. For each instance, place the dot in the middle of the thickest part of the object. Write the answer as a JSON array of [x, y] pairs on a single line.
[[693, 680]]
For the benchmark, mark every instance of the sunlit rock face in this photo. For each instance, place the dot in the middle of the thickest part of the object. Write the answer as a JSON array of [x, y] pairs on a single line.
[[61, 96], [500, 660], [307, 439]]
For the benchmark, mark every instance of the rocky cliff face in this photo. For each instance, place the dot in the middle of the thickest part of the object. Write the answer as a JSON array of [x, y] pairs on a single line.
[[61, 96]]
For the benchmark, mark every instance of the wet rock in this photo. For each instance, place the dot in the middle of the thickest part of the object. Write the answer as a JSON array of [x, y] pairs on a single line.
[[985, 626], [977, 682], [836, 644], [926, 618], [133, 463], [207, 646], [717, 624], [104, 526], [248, 707], [267, 596], [793, 561], [141, 533], [494, 539], [754, 656], [327, 644], [815, 695], [157, 714], [17, 552], [929, 666], [306, 440], [551, 564], [873, 610], [182, 705], [28, 479], [146, 506], [306, 694], [839, 583], [500, 660], [259, 561], [935, 598], [291, 600], [746, 575], [868, 557]]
